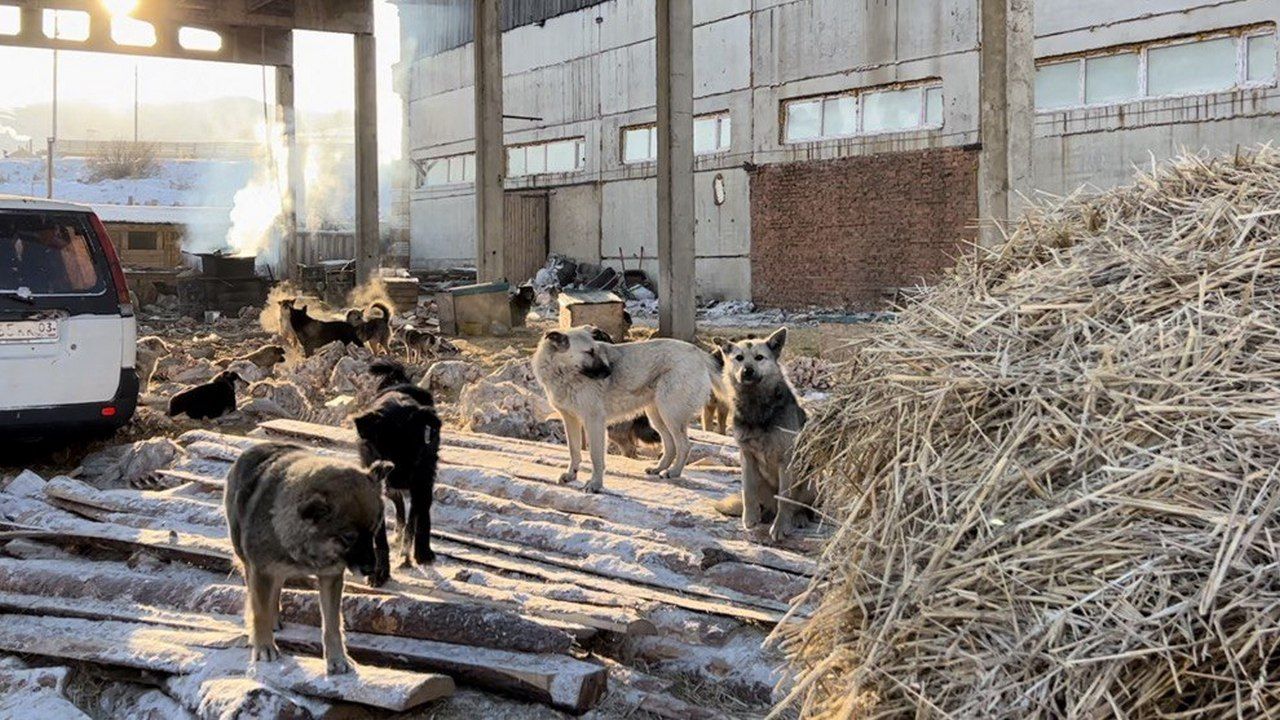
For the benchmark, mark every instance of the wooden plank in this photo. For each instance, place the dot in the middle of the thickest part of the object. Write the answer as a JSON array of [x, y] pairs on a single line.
[[546, 678], [515, 558], [70, 532], [613, 556], [37, 693], [561, 682], [182, 651], [386, 688], [137, 502], [417, 617]]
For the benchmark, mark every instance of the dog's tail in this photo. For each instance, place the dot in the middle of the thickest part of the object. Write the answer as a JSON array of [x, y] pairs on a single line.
[[389, 371], [381, 306]]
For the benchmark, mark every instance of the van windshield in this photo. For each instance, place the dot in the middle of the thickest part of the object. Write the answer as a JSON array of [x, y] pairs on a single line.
[[49, 253]]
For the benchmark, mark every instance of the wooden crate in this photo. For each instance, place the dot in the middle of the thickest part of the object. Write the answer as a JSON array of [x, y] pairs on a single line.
[[482, 309], [600, 308]]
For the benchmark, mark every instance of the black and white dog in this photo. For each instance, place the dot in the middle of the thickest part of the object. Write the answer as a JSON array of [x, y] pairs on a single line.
[[401, 426]]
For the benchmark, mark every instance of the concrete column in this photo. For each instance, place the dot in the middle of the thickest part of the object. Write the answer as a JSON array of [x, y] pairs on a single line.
[[368, 240], [675, 169], [291, 183], [1006, 113], [491, 152]]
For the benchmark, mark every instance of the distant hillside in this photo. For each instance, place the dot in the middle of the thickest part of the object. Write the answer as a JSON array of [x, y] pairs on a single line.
[[222, 120]]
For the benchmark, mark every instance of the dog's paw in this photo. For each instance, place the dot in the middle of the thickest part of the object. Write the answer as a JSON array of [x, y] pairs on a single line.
[[568, 477], [594, 486], [265, 652], [379, 577], [669, 474], [653, 471], [425, 557], [778, 530], [337, 665]]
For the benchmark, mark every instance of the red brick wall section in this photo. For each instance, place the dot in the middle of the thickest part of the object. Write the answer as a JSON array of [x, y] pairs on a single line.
[[849, 232]]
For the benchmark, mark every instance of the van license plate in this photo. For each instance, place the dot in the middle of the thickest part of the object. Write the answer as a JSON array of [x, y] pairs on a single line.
[[29, 331]]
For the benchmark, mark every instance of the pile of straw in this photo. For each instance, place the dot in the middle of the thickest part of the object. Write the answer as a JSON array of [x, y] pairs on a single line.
[[1055, 479]]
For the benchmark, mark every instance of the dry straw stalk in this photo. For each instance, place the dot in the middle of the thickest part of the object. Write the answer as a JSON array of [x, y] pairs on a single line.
[[1055, 478]]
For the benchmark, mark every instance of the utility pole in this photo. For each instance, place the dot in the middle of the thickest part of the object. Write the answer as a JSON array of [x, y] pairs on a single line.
[[53, 134], [135, 102]]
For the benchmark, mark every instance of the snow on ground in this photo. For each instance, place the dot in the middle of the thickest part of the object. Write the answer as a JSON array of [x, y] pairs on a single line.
[[206, 183]]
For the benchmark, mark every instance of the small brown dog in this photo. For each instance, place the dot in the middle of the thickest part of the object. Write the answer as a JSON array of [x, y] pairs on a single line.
[[294, 514]]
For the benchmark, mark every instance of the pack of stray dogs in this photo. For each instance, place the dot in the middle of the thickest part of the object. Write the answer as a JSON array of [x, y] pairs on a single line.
[[294, 514]]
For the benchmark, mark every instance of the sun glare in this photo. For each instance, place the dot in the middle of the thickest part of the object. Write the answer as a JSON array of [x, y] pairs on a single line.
[[120, 8]]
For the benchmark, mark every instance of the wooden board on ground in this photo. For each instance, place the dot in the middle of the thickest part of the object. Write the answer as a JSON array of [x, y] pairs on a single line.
[[181, 651]]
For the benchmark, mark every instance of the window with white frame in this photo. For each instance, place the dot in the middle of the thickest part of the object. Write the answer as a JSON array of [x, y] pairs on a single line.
[[863, 112], [711, 134], [1207, 63], [557, 156], [448, 170]]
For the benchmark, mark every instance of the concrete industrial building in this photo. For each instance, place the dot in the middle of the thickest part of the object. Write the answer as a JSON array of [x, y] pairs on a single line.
[[837, 143]]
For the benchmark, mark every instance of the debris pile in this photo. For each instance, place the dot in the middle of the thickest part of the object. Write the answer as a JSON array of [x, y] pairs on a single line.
[[1055, 476]]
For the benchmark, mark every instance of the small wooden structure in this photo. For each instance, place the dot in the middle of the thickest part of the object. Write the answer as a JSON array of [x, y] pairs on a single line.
[[600, 308], [481, 309]]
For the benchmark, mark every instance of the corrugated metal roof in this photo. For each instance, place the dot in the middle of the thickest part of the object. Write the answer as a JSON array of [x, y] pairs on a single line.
[[440, 25]]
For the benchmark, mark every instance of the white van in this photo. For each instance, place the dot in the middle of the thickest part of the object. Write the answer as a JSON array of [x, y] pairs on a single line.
[[68, 338]]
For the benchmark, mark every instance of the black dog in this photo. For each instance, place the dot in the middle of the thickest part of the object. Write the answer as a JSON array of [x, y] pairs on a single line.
[[314, 334], [211, 400], [401, 426]]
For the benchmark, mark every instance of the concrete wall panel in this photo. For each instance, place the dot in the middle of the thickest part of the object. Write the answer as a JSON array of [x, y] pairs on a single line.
[[574, 219]]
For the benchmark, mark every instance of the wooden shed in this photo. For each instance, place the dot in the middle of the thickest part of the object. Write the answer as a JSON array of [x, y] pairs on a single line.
[[151, 237]]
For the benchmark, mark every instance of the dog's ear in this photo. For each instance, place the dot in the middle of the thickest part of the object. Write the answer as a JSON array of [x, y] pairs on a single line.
[[776, 341], [364, 424], [717, 356], [599, 335], [316, 509], [558, 340], [722, 345], [380, 470]]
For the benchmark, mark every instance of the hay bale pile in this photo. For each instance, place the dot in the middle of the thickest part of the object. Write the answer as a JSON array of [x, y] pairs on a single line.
[[1056, 478]]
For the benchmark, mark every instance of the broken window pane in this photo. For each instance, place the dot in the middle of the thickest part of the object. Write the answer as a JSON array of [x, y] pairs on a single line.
[[1058, 85], [704, 135], [891, 110], [515, 162], [438, 172], [1262, 58], [725, 133], [635, 145], [562, 156], [1192, 67], [804, 120], [933, 107], [840, 116], [535, 159], [1111, 78]]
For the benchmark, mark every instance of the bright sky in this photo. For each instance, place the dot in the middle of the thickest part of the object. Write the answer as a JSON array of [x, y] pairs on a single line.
[[323, 75]]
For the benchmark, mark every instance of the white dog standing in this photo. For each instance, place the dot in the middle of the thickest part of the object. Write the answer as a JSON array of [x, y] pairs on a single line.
[[593, 383]]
